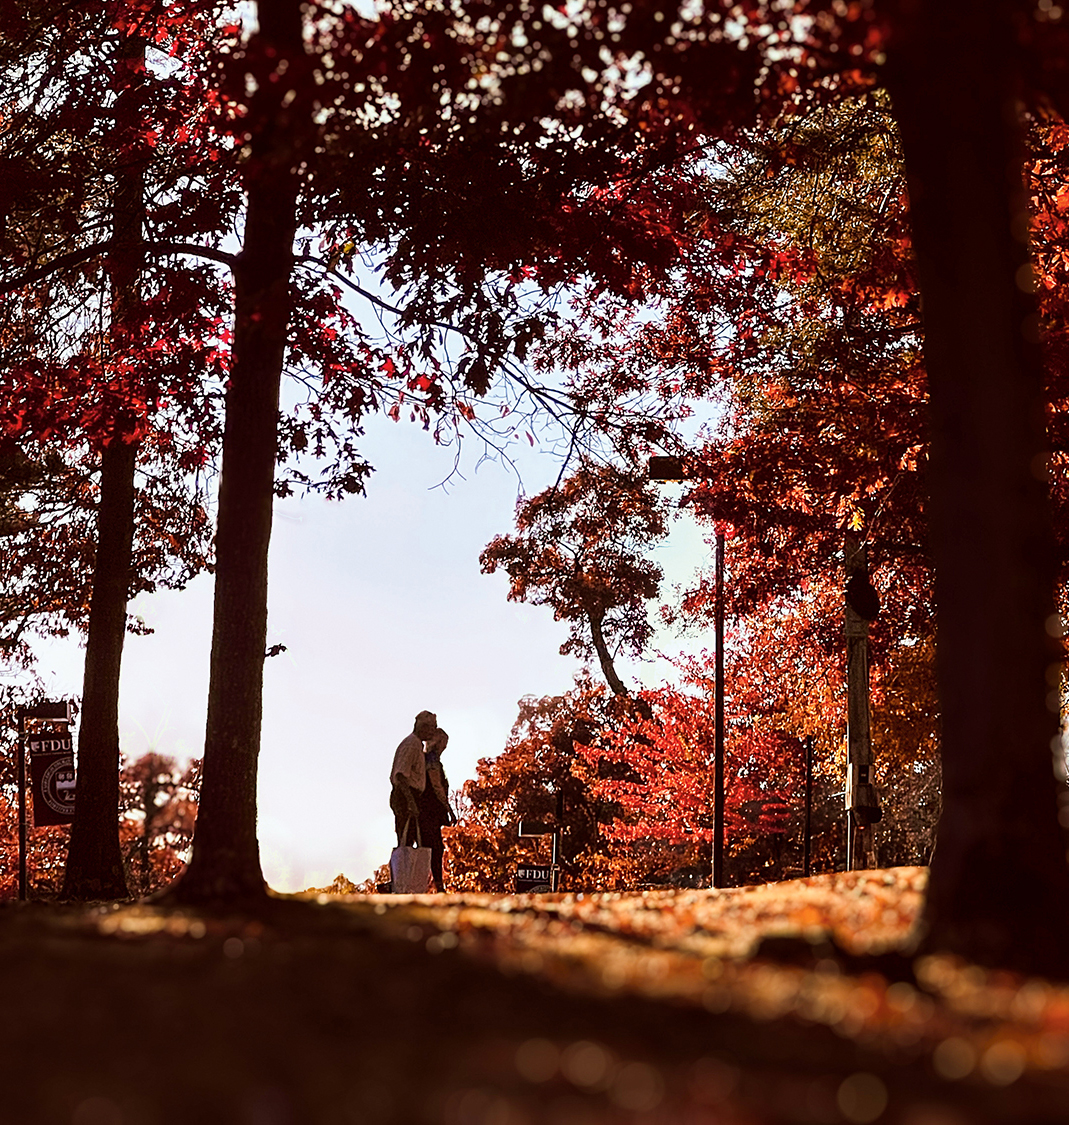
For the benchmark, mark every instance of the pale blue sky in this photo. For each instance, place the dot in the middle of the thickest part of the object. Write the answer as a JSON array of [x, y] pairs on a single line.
[[384, 612]]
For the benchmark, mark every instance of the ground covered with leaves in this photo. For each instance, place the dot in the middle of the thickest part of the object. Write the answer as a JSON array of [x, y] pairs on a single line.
[[793, 1002]]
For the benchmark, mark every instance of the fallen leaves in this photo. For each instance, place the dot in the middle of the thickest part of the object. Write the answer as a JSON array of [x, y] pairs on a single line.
[[834, 950]]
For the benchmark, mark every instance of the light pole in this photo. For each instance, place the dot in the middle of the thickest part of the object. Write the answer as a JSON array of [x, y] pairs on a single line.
[[718, 722], [808, 830], [671, 468]]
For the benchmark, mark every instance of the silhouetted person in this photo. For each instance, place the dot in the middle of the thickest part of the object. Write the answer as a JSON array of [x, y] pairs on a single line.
[[434, 810], [408, 777]]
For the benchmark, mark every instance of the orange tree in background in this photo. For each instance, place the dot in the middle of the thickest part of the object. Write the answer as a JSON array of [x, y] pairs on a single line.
[[628, 783], [158, 803], [534, 778], [580, 547], [654, 771]]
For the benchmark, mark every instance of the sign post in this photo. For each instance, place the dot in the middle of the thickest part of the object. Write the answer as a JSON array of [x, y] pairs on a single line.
[[808, 846], [862, 802], [59, 770]]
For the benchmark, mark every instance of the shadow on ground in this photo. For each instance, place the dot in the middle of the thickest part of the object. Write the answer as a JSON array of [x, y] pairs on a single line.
[[791, 1003]]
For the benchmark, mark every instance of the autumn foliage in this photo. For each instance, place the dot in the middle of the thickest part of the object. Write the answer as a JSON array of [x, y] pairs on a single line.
[[628, 783], [795, 314], [675, 229]]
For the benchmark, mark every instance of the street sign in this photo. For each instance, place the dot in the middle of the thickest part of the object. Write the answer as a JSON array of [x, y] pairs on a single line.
[[535, 828], [667, 468], [54, 711], [535, 879], [52, 775]]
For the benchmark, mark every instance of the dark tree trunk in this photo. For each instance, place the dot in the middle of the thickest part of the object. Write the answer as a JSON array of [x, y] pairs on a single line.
[[999, 891], [226, 856], [608, 668], [94, 858]]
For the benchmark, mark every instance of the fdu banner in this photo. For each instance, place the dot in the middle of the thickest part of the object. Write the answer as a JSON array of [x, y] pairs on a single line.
[[52, 774]]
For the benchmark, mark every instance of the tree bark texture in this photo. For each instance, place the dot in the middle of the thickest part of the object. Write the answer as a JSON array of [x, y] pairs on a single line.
[[225, 864], [999, 890], [94, 859]]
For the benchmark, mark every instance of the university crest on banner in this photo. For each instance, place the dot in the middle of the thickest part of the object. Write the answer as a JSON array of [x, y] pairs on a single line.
[[52, 775]]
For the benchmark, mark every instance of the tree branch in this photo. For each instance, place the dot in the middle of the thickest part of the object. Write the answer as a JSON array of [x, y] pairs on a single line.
[[77, 257]]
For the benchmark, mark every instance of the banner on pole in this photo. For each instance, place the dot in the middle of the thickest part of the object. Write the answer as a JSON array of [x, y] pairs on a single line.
[[52, 774]]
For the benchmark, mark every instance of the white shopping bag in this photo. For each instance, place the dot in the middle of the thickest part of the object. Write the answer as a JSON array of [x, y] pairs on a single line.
[[410, 871], [410, 868]]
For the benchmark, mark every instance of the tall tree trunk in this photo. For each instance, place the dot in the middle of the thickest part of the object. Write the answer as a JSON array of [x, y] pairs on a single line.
[[94, 858], [226, 858], [999, 890]]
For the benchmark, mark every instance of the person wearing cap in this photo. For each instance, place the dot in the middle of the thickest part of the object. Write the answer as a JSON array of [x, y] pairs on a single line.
[[408, 778]]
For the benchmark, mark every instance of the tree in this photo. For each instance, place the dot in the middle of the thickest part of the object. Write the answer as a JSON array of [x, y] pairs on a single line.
[[580, 548], [225, 861], [531, 779], [84, 369], [404, 118], [558, 769], [655, 771], [999, 890], [159, 809]]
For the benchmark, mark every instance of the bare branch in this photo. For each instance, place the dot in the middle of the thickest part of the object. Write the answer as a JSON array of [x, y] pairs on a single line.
[[87, 253]]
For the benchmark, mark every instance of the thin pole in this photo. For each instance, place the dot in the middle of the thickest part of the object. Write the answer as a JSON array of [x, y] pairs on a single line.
[[555, 846], [20, 769], [718, 766], [806, 856], [859, 791]]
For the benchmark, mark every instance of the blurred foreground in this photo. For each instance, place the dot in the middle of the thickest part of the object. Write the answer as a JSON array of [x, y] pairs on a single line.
[[793, 1002]]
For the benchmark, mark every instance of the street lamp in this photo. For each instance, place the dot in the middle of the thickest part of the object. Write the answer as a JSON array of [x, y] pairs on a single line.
[[671, 468]]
